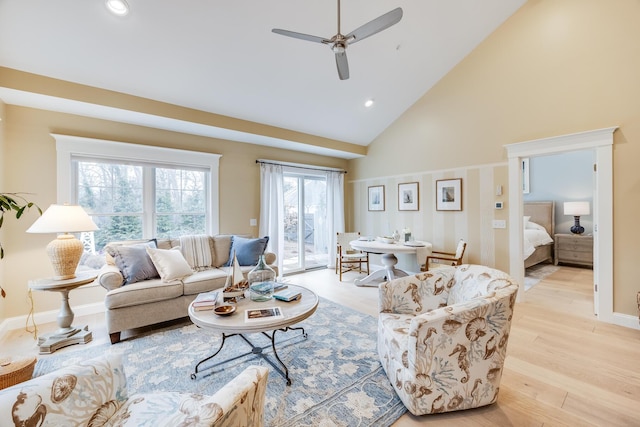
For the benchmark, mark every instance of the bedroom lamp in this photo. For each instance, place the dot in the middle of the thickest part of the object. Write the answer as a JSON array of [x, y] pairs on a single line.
[[576, 209], [64, 251]]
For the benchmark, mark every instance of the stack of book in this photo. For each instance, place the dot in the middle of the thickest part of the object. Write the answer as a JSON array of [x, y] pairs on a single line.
[[206, 301]]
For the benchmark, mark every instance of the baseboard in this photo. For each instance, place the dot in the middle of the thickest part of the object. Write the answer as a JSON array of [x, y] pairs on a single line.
[[626, 320], [19, 322]]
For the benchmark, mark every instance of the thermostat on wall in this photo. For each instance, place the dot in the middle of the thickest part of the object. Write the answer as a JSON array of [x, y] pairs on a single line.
[[498, 205]]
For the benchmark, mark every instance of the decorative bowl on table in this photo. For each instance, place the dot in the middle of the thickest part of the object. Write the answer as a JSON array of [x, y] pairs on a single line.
[[224, 310], [385, 239]]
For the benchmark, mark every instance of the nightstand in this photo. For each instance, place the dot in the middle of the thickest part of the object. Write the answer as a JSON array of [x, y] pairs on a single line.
[[573, 249]]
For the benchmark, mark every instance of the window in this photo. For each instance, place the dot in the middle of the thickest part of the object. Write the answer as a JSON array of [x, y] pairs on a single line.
[[114, 195], [134, 192]]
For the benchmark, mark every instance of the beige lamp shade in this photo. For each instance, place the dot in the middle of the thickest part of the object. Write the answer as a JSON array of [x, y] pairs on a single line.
[[65, 251]]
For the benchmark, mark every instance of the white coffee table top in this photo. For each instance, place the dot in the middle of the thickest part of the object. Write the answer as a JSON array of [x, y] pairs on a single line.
[[293, 312]]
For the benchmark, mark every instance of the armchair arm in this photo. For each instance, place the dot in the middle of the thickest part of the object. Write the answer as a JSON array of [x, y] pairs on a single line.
[[416, 294], [444, 253], [242, 399], [270, 258]]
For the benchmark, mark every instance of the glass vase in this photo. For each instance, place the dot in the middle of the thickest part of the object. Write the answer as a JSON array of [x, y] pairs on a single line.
[[261, 281]]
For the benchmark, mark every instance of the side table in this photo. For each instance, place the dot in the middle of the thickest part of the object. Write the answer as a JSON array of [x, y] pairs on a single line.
[[66, 334], [573, 249]]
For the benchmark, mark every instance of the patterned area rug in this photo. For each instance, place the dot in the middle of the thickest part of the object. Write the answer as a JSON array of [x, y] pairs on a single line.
[[533, 275], [337, 377]]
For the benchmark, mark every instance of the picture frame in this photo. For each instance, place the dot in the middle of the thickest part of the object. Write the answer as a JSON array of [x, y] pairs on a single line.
[[376, 198], [525, 176], [408, 197], [449, 194]]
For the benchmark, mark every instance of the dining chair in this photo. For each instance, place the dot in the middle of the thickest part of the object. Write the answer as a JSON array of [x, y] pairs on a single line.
[[347, 258], [441, 259]]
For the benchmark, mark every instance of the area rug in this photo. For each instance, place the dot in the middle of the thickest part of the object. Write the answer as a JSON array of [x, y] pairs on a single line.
[[533, 275], [337, 379]]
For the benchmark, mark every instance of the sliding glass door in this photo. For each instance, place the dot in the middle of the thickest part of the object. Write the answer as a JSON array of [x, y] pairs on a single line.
[[306, 236]]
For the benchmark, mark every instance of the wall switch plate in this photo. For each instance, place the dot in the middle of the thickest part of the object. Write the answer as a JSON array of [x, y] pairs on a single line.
[[499, 223], [253, 222], [498, 190], [498, 205]]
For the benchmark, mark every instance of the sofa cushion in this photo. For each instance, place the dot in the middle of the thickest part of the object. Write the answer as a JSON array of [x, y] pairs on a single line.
[[221, 244], [204, 281], [133, 261], [76, 395], [170, 263], [247, 251], [148, 291]]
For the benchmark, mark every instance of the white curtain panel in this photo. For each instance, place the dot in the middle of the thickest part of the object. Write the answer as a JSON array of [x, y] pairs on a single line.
[[272, 209], [335, 212]]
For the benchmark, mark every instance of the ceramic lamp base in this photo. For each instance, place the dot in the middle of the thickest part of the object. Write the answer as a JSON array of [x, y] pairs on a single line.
[[65, 253], [577, 228]]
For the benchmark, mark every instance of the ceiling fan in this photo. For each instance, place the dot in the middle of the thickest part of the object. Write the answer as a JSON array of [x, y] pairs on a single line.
[[339, 42]]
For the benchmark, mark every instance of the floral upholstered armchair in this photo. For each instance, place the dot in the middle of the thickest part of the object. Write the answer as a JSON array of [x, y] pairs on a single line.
[[442, 336], [93, 393]]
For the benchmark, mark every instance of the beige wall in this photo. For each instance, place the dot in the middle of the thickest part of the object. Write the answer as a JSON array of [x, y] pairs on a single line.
[[555, 67], [29, 165]]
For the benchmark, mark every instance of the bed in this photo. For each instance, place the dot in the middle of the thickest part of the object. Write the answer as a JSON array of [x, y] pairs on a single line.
[[539, 221]]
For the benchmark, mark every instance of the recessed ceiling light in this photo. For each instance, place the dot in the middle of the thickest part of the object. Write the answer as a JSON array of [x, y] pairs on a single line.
[[368, 103], [117, 7]]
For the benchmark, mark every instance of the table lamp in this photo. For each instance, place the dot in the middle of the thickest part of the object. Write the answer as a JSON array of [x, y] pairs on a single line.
[[64, 251], [576, 209]]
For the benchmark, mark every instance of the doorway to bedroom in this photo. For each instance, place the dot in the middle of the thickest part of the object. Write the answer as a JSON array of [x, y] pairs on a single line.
[[558, 178], [600, 143]]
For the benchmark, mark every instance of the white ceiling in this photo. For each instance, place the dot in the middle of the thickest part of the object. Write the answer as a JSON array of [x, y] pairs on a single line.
[[221, 57]]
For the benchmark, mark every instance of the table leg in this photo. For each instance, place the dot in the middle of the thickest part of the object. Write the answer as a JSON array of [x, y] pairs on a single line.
[[66, 334], [257, 350], [389, 272], [65, 316]]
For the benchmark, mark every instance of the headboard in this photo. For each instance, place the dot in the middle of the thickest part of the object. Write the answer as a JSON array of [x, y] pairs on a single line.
[[542, 213]]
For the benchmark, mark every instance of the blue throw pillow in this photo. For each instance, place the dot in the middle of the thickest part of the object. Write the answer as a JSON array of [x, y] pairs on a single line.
[[247, 251], [133, 261]]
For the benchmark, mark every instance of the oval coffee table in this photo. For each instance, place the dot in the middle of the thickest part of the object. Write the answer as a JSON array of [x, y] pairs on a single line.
[[235, 324]]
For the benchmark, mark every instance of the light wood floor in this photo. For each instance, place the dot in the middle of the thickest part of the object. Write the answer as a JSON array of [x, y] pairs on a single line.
[[563, 367]]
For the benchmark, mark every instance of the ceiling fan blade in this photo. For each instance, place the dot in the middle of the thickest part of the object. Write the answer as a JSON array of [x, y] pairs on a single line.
[[372, 27], [295, 35], [343, 65]]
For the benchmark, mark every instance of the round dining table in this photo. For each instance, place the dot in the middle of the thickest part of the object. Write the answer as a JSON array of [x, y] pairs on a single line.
[[389, 260]]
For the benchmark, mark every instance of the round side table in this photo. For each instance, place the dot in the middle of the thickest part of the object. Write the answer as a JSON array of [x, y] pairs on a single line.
[[66, 334]]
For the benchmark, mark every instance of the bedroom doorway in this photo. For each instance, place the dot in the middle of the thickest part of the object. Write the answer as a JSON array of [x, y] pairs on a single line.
[[601, 142]]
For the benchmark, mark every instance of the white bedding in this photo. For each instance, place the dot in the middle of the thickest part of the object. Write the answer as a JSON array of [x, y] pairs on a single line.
[[534, 235]]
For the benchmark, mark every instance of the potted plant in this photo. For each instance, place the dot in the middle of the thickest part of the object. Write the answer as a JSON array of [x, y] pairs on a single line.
[[13, 202]]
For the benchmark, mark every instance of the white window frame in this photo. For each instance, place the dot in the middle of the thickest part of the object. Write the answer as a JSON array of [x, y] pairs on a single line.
[[68, 146]]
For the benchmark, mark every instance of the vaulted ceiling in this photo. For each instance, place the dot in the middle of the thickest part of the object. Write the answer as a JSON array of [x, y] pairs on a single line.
[[220, 57]]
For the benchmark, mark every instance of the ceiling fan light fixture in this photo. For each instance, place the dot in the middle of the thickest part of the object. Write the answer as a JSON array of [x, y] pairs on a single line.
[[117, 7], [338, 48]]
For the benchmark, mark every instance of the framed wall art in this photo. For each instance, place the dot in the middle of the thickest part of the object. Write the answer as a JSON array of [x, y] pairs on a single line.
[[376, 198], [408, 199], [449, 194]]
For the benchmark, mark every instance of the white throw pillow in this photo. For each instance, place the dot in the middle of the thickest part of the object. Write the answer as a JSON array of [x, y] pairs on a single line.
[[170, 263], [525, 221]]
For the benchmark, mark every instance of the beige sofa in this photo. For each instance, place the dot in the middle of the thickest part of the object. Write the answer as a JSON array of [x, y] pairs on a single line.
[[94, 393], [153, 300]]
